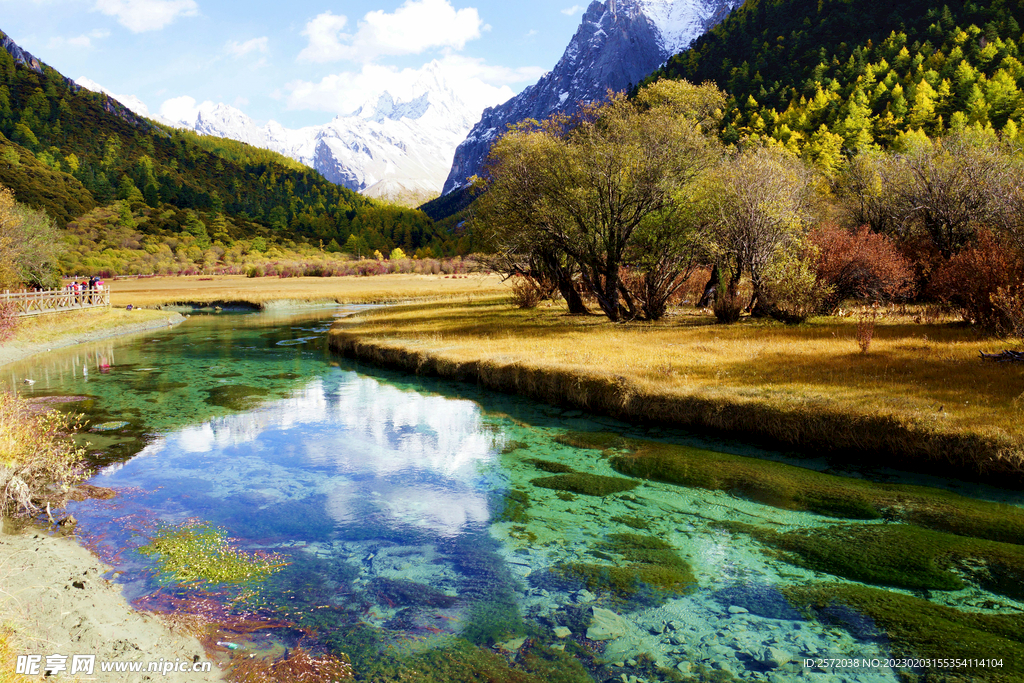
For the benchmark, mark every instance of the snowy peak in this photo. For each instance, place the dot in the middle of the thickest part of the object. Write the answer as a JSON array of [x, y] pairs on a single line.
[[396, 146], [680, 22], [618, 43]]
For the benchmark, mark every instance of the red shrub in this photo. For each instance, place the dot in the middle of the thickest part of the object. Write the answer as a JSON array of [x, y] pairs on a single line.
[[8, 321], [971, 279], [860, 265]]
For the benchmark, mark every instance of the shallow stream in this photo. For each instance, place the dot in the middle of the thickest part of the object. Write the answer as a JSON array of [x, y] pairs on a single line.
[[403, 521]]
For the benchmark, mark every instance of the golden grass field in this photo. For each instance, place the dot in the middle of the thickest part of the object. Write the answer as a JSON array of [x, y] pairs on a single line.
[[157, 291], [920, 392]]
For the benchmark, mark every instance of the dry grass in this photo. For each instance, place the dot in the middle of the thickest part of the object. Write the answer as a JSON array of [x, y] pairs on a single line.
[[45, 332], [921, 393], [159, 291]]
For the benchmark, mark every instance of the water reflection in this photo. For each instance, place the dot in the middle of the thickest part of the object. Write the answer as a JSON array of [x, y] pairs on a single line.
[[371, 449]]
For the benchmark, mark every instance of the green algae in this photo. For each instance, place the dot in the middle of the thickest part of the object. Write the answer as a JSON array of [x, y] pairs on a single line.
[[552, 467], [796, 488], [586, 484], [597, 441], [512, 447], [900, 555], [401, 592], [920, 629], [632, 522], [515, 507], [237, 397], [653, 563], [199, 553], [462, 662], [566, 496]]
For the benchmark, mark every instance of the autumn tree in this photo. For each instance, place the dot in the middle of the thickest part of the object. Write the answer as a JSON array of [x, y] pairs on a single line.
[[30, 245], [589, 186], [940, 189], [759, 204]]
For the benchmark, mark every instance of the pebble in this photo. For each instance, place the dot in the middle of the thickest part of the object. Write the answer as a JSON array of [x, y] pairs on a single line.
[[562, 632]]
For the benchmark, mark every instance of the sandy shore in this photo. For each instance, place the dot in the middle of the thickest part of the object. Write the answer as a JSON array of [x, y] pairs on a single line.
[[53, 591], [17, 349]]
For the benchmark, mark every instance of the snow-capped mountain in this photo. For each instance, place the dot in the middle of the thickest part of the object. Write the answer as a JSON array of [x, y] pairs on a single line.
[[618, 43], [396, 149]]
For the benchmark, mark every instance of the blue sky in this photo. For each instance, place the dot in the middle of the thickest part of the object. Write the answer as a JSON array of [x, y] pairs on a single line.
[[299, 62]]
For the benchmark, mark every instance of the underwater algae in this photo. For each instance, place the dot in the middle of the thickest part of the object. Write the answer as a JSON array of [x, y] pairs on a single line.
[[198, 553], [641, 563], [900, 555], [790, 487], [568, 479], [237, 397], [917, 628]]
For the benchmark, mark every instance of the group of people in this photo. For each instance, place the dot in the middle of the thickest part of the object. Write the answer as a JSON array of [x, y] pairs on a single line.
[[93, 284]]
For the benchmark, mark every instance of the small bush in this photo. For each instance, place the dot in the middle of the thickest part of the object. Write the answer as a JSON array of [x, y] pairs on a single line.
[[8, 321], [528, 292], [790, 287], [39, 462], [866, 331], [972, 279], [859, 265], [1009, 302]]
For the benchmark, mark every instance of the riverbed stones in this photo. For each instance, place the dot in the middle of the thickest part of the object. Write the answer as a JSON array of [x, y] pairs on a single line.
[[562, 632], [513, 645], [774, 657], [606, 625]]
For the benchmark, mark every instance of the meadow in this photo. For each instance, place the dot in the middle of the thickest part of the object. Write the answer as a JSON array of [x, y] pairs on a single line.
[[266, 291], [920, 393]]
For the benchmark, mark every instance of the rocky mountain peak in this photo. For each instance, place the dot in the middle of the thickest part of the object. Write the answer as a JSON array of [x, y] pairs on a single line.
[[618, 43]]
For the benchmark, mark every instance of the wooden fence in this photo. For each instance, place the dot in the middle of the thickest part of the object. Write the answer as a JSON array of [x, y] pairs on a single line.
[[56, 300]]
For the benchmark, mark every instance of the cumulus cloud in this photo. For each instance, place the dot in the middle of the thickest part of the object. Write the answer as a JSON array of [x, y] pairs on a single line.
[[139, 16], [413, 28], [575, 9], [480, 85], [183, 109], [236, 49]]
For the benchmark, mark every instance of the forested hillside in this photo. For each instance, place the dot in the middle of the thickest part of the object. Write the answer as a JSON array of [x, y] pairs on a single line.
[[67, 150], [806, 71]]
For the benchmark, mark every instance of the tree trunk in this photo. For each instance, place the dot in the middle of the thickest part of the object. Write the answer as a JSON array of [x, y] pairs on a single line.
[[572, 298], [707, 300]]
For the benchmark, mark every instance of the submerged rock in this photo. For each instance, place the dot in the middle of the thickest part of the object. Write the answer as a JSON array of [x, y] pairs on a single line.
[[606, 625]]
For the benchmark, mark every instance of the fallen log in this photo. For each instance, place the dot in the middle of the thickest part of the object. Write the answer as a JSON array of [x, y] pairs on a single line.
[[1004, 357]]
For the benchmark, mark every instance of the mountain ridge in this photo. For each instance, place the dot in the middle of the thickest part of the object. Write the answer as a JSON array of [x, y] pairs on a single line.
[[392, 147], [618, 43]]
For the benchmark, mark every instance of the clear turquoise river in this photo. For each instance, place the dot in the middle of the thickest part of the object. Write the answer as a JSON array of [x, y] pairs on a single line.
[[403, 516]]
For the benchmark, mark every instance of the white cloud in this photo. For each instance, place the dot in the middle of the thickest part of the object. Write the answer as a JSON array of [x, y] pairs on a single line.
[[82, 41], [575, 9], [478, 84], [413, 28], [183, 109], [236, 49], [146, 15]]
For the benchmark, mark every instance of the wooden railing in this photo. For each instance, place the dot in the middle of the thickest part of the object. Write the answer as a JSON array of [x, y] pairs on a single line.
[[55, 300]]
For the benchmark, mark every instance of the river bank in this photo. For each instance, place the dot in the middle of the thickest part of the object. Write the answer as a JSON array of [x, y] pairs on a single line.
[[55, 331], [921, 399], [53, 594]]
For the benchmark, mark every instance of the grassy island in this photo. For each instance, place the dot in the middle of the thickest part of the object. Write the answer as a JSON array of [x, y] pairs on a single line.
[[920, 398]]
